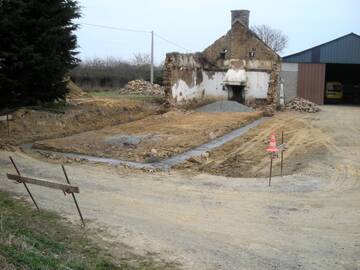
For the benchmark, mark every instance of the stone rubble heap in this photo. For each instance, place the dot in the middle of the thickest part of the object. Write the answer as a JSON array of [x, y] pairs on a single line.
[[302, 105], [143, 88]]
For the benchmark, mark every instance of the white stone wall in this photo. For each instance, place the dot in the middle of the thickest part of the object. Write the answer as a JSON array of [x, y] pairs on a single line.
[[257, 84], [212, 86], [181, 91]]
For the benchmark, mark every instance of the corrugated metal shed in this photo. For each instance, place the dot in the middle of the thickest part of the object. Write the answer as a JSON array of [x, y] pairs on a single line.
[[343, 50], [311, 82]]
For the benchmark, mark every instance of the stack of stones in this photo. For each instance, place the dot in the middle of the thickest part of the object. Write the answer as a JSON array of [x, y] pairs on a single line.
[[141, 87], [302, 105]]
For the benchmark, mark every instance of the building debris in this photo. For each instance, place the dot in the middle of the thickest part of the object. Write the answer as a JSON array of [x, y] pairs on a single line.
[[302, 105], [141, 87]]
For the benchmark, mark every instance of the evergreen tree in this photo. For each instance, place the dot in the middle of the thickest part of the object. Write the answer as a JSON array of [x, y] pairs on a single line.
[[37, 49]]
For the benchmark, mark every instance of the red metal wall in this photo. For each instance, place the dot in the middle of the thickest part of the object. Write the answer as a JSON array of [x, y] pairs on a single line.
[[311, 82]]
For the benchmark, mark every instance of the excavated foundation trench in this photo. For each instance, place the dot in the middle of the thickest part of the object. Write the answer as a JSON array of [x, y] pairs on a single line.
[[165, 164]]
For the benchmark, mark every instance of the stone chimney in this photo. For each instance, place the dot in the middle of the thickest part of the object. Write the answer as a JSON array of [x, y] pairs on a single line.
[[240, 16]]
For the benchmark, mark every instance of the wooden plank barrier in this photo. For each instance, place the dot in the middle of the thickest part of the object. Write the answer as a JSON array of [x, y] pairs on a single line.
[[44, 183]]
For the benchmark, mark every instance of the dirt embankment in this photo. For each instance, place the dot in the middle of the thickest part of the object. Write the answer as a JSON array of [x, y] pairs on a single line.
[[80, 115], [152, 138], [246, 155]]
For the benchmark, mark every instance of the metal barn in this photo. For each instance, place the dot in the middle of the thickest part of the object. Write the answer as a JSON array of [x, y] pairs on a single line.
[[317, 73]]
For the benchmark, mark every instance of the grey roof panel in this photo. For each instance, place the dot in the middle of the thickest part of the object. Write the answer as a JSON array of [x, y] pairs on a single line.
[[304, 57], [343, 50]]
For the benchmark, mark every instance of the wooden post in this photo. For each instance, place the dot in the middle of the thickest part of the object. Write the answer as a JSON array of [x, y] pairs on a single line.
[[282, 153], [73, 195], [27, 189], [8, 125]]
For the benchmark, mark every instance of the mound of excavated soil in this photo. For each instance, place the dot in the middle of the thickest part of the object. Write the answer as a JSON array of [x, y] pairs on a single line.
[[85, 114], [75, 91], [225, 106]]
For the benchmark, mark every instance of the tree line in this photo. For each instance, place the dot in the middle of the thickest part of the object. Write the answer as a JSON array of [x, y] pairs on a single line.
[[111, 73]]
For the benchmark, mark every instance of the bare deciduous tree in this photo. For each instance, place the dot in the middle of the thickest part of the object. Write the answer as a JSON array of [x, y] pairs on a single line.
[[274, 38], [112, 73], [141, 59]]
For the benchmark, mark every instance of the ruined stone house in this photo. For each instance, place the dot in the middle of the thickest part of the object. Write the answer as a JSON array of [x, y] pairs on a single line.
[[237, 66]]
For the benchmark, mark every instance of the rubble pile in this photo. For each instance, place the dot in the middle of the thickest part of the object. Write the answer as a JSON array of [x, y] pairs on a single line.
[[141, 87], [302, 105]]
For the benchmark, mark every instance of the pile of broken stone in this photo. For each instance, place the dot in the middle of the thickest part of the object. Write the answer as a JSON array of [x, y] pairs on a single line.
[[143, 88], [302, 105]]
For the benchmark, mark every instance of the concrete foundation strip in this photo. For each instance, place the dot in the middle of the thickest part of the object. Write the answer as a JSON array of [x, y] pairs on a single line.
[[165, 164]]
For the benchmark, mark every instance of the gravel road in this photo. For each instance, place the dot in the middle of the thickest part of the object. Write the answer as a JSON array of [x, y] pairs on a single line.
[[310, 220]]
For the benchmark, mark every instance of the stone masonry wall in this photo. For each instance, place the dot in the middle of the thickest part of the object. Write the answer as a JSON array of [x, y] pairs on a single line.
[[237, 43]]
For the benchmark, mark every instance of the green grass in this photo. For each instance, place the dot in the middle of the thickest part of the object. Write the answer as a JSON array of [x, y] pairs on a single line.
[[115, 94], [43, 240]]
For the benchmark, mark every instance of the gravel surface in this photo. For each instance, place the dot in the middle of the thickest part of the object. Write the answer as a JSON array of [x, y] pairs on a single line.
[[125, 139], [225, 106]]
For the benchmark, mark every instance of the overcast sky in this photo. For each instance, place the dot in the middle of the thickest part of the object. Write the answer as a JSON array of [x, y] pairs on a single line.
[[195, 24]]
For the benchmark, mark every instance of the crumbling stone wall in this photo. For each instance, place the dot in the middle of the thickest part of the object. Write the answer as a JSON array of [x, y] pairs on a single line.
[[239, 47], [185, 67]]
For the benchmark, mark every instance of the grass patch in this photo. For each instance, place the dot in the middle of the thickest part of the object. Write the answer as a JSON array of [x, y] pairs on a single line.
[[39, 241]]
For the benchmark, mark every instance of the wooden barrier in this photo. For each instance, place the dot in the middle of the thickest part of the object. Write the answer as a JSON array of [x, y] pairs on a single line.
[[44, 183], [65, 188]]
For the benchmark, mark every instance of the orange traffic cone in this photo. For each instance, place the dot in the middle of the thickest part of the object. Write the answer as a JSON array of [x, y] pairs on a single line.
[[272, 148]]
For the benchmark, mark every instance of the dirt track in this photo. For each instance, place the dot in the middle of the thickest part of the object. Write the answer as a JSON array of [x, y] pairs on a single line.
[[310, 220]]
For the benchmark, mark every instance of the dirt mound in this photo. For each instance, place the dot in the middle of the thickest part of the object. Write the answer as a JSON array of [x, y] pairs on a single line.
[[302, 105], [141, 87], [225, 106], [84, 114], [75, 91]]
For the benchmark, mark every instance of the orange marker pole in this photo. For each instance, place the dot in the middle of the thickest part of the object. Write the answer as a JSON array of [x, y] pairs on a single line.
[[272, 149], [271, 165]]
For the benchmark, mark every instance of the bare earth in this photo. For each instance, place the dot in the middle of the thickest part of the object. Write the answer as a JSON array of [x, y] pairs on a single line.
[[170, 133], [245, 156], [308, 220], [82, 115]]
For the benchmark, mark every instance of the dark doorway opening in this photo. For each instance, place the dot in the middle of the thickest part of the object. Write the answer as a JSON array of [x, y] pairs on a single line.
[[342, 84], [237, 93]]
